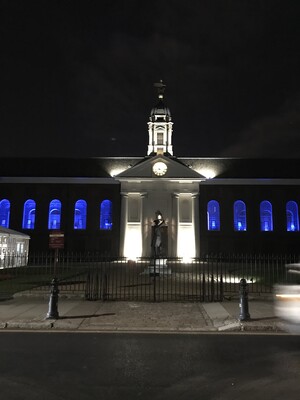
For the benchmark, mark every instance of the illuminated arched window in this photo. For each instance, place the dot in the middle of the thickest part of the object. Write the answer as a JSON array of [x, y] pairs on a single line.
[[4, 213], [54, 214], [292, 216], [80, 214], [213, 216], [266, 216], [106, 215], [29, 214], [239, 215]]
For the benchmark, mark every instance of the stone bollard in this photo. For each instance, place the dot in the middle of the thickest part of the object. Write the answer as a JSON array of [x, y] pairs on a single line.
[[52, 311], [244, 310]]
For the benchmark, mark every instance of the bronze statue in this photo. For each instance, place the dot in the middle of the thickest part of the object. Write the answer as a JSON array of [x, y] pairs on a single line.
[[156, 243]]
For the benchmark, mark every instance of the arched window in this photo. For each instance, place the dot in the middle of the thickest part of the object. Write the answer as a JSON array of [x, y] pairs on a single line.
[[29, 214], [54, 214], [106, 215], [213, 215], [160, 137], [80, 214], [292, 217], [4, 213], [239, 215], [266, 216]]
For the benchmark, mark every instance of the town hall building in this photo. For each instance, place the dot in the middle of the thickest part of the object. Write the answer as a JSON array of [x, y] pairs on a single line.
[[109, 204]]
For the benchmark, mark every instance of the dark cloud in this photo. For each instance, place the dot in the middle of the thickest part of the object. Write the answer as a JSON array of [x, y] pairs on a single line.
[[270, 135], [77, 73]]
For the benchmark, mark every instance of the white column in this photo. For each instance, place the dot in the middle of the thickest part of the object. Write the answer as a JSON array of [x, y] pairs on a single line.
[[124, 219], [143, 225], [175, 222], [196, 223]]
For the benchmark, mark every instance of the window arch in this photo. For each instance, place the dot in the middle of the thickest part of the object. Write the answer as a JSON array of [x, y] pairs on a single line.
[[266, 216], [213, 215], [239, 215], [292, 216], [106, 215], [29, 214], [80, 214], [4, 213], [160, 137], [54, 216]]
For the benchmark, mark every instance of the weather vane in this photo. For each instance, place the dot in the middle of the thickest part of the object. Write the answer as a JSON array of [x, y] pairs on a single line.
[[161, 87]]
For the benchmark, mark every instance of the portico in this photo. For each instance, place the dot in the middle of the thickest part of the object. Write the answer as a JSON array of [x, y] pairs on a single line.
[[160, 182]]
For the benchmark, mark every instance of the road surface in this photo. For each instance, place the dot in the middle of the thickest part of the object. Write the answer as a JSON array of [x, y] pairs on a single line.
[[85, 366]]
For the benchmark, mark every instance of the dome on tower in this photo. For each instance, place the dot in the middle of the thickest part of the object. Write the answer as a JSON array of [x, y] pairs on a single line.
[[160, 111]]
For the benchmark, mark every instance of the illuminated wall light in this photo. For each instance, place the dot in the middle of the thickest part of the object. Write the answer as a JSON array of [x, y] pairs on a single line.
[[116, 171], [208, 173]]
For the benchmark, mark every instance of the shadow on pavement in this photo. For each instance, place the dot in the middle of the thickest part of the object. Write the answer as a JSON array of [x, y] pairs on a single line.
[[263, 318], [86, 316]]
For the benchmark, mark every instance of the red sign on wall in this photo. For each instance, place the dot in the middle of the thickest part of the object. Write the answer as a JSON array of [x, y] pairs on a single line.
[[56, 240]]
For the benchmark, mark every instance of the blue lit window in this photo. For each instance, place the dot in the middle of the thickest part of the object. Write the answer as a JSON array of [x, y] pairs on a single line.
[[54, 214], [239, 214], [266, 216], [4, 213], [106, 215], [213, 216], [80, 214], [292, 216], [29, 214]]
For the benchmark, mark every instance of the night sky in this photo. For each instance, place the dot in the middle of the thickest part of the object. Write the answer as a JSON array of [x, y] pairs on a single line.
[[77, 76]]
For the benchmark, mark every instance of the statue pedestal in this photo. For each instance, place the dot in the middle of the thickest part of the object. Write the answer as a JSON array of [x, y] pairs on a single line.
[[158, 266]]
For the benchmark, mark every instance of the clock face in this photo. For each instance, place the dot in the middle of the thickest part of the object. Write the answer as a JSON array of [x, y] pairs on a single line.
[[159, 168]]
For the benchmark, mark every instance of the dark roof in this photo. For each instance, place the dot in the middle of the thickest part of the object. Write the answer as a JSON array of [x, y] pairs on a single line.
[[246, 168], [63, 167]]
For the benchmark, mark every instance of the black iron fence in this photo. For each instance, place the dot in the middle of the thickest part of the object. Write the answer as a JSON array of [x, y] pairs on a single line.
[[209, 278]]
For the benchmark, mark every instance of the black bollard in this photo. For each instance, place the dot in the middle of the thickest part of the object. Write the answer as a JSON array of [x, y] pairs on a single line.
[[52, 311], [244, 310]]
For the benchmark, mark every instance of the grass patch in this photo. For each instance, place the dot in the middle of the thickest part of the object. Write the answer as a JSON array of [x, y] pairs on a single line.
[[14, 280]]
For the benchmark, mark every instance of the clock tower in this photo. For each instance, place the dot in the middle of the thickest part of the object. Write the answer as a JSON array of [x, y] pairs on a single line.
[[160, 126]]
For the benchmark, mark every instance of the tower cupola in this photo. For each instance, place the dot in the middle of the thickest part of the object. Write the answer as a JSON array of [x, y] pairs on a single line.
[[160, 125]]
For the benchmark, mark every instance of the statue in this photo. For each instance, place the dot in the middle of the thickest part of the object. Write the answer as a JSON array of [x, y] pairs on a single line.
[[161, 87], [156, 242]]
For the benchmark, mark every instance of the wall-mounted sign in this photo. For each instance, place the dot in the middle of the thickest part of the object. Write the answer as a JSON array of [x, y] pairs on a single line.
[[56, 240]]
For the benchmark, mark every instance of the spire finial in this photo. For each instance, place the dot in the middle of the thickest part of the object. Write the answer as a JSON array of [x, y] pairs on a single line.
[[160, 86]]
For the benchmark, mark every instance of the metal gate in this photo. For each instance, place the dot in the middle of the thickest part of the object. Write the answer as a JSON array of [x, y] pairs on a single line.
[[147, 281]]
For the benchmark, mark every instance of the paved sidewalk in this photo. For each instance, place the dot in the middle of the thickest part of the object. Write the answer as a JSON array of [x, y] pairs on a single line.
[[76, 314]]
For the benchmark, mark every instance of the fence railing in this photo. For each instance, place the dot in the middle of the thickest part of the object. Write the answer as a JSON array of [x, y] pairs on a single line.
[[208, 278]]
